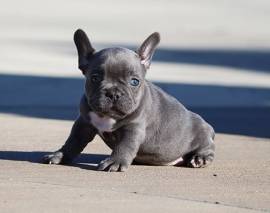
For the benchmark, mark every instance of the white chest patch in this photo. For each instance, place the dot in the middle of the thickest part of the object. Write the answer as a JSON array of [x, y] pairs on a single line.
[[103, 124]]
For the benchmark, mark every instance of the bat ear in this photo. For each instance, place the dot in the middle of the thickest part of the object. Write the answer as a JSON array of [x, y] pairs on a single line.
[[84, 48], [147, 49]]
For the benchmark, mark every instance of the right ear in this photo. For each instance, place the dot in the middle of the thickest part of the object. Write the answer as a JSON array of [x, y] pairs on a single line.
[[84, 48], [147, 49]]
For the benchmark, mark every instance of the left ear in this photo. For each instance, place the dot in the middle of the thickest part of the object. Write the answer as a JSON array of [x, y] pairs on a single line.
[[147, 49], [84, 48]]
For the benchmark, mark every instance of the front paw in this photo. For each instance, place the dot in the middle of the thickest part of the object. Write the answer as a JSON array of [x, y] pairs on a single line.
[[54, 158], [112, 164]]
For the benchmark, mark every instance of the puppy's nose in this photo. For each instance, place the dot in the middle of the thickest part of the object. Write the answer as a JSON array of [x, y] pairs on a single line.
[[113, 95]]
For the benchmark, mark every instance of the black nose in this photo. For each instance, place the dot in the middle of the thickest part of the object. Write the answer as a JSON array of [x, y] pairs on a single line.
[[113, 95]]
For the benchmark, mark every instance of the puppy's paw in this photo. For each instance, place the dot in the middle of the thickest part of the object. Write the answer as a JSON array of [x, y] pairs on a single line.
[[113, 165], [54, 158], [197, 162]]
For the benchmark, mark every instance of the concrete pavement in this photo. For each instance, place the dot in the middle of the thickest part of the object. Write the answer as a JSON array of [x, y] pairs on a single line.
[[214, 57], [238, 180]]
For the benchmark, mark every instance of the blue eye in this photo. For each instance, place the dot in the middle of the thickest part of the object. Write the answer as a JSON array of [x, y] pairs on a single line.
[[134, 82]]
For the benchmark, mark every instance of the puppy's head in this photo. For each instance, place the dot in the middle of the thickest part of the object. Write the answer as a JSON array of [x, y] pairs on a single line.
[[115, 77]]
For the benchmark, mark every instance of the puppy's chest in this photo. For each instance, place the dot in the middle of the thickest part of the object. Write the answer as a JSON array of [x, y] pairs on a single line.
[[102, 124]]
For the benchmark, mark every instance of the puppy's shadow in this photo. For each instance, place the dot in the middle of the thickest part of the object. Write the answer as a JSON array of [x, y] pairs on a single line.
[[83, 161]]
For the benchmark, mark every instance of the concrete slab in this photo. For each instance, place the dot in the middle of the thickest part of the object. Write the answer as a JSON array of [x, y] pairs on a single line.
[[214, 57], [238, 180]]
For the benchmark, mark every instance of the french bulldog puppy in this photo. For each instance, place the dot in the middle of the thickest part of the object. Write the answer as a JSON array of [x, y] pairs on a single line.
[[136, 119]]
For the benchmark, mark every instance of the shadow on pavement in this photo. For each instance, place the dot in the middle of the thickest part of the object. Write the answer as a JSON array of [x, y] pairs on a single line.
[[239, 59], [247, 59], [228, 109], [84, 161]]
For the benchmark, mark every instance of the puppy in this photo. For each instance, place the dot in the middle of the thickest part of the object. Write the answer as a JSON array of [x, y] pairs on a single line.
[[136, 119]]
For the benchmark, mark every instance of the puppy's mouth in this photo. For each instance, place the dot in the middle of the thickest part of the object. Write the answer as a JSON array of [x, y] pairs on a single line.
[[112, 111], [118, 112]]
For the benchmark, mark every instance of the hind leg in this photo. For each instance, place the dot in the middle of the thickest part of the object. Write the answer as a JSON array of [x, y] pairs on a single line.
[[201, 157]]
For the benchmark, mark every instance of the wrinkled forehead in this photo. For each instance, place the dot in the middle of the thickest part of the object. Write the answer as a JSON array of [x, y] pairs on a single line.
[[120, 61]]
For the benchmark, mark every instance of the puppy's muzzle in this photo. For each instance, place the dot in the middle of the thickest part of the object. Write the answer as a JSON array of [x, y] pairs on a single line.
[[113, 95]]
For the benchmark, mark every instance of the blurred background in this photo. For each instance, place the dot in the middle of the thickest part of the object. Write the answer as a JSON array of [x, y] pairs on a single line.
[[214, 56]]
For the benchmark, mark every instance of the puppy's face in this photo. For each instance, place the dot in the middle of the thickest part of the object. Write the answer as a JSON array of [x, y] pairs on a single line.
[[114, 76], [114, 82]]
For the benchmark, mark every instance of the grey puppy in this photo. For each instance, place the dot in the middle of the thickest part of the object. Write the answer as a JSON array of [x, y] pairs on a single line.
[[136, 119]]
